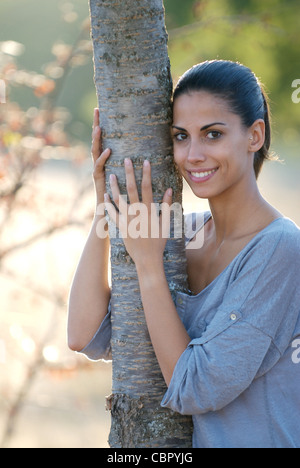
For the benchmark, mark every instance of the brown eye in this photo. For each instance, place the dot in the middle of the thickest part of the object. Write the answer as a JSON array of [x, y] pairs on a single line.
[[214, 135], [180, 137]]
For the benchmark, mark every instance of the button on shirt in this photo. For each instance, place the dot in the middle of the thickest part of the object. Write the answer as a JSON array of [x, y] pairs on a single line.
[[237, 377]]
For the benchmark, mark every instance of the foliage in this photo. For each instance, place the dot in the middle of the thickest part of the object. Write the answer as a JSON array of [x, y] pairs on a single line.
[[31, 215]]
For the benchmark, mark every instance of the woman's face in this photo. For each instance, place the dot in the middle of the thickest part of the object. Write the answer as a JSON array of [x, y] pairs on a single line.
[[211, 146]]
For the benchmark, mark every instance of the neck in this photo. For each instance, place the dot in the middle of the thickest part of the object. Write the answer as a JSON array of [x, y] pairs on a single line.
[[239, 210]]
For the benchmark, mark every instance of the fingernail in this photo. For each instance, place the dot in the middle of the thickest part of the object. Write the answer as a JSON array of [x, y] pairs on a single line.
[[170, 192], [127, 162], [146, 163]]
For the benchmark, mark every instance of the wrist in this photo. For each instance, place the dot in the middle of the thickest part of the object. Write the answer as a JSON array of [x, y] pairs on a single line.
[[100, 190], [100, 206], [100, 200], [150, 269]]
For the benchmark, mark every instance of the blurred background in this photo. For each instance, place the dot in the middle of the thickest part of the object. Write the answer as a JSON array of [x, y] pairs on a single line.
[[49, 396]]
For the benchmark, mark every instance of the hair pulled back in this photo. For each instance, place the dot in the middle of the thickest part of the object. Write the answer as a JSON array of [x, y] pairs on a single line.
[[239, 86]]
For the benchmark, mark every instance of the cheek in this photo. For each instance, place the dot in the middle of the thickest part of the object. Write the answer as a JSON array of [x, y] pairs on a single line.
[[232, 154]]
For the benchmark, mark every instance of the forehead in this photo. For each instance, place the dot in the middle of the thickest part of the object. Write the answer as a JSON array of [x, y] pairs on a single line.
[[201, 108]]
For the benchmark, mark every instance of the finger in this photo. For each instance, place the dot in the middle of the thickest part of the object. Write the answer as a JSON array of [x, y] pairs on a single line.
[[101, 161], [119, 200], [131, 182], [96, 122], [168, 197], [147, 193], [96, 144]]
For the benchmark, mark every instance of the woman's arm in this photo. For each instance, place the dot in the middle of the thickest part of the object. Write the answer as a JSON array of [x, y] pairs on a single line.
[[90, 292], [168, 334]]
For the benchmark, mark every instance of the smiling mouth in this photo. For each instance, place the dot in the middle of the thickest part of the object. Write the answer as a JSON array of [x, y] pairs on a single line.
[[202, 175]]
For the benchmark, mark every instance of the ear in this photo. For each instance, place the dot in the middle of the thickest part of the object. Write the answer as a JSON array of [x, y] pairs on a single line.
[[257, 135]]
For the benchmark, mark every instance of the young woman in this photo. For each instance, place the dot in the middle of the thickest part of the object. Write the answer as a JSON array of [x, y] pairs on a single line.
[[227, 356]]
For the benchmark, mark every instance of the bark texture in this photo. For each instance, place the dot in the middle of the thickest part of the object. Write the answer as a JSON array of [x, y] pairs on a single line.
[[134, 86]]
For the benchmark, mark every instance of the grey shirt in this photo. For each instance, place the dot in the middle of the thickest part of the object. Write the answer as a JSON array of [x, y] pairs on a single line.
[[240, 375]]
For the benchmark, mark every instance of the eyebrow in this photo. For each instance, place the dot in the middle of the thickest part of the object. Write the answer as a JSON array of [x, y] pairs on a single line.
[[203, 128]]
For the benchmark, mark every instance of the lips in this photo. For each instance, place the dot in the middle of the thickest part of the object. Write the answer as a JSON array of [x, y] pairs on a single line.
[[202, 175]]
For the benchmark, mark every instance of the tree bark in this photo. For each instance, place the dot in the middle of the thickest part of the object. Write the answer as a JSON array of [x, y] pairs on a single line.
[[134, 86]]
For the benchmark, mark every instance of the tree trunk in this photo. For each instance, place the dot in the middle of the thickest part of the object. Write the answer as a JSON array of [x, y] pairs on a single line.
[[134, 86]]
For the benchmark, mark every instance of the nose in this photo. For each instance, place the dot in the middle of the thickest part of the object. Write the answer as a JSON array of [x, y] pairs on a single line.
[[196, 154]]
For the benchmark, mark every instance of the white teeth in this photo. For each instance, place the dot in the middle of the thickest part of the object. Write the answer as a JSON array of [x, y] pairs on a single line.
[[201, 175]]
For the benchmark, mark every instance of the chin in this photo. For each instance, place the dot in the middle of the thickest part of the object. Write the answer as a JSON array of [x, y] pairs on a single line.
[[209, 191], [205, 193]]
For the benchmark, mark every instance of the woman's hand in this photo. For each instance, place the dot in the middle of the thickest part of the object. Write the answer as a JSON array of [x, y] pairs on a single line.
[[99, 157], [144, 230]]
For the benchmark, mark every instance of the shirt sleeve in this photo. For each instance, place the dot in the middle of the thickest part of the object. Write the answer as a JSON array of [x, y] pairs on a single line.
[[250, 331], [100, 345]]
